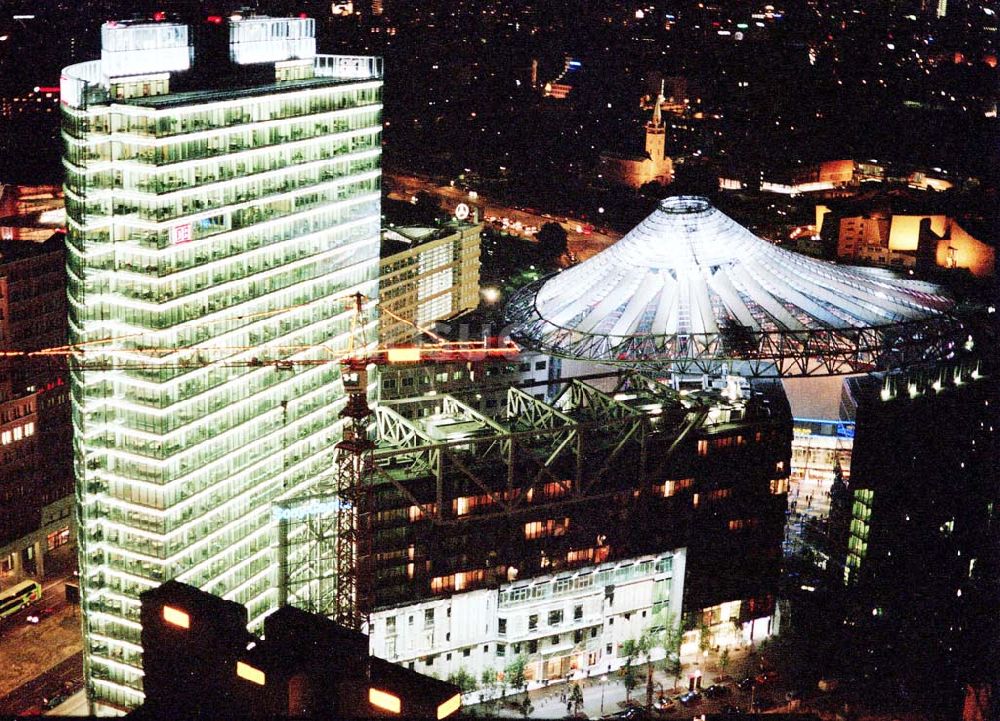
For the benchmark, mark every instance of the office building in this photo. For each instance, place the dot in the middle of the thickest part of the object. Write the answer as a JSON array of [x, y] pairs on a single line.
[[222, 196], [426, 274], [36, 472], [921, 558]]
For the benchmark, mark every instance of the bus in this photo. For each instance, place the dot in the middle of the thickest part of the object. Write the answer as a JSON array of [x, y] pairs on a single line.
[[20, 596]]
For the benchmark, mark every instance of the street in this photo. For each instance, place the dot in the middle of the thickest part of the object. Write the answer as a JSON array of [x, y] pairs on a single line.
[[44, 660], [583, 245]]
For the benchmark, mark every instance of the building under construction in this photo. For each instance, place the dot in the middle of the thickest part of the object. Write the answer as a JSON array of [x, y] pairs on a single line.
[[466, 510]]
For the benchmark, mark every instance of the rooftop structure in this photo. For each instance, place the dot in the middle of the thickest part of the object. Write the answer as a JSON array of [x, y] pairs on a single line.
[[689, 290], [202, 663], [465, 503]]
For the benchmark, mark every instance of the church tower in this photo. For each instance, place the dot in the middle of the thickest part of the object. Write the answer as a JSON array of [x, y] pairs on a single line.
[[656, 134]]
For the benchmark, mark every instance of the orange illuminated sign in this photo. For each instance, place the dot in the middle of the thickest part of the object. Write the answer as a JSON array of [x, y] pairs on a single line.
[[385, 701], [176, 617], [254, 675], [450, 706]]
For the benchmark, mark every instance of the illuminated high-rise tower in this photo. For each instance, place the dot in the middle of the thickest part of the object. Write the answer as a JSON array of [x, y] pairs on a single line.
[[222, 194]]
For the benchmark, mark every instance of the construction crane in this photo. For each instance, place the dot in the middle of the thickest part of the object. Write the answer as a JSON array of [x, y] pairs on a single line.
[[354, 459], [341, 512]]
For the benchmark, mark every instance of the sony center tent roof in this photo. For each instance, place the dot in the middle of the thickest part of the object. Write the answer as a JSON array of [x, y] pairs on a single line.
[[689, 290]]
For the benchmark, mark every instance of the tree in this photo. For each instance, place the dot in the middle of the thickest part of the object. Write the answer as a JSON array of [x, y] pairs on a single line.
[[646, 643], [551, 239], [576, 696], [630, 650], [724, 660], [704, 637], [463, 679], [514, 673], [671, 638], [488, 686]]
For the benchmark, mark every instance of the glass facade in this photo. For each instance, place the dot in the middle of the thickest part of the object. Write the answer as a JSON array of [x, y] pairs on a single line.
[[211, 236]]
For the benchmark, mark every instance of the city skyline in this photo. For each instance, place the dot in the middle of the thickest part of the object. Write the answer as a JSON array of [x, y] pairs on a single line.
[[224, 199]]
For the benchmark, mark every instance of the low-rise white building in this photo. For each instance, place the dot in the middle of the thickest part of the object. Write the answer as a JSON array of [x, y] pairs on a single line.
[[568, 623]]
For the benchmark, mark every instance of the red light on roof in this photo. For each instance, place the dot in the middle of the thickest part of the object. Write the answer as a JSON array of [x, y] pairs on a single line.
[[159, 15], [214, 19], [303, 15], [48, 89]]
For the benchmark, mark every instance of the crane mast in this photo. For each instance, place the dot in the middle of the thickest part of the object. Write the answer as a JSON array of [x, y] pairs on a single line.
[[354, 470]]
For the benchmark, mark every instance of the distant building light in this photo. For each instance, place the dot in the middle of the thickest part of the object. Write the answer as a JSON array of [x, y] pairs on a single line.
[[386, 701], [248, 672], [176, 617]]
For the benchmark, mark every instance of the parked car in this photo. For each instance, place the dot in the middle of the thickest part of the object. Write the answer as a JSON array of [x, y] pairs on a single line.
[[762, 703], [34, 617], [729, 709], [716, 690], [691, 698], [767, 676], [50, 703], [745, 684]]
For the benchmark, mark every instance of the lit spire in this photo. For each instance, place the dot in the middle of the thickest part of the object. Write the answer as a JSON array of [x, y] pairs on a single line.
[[657, 118]]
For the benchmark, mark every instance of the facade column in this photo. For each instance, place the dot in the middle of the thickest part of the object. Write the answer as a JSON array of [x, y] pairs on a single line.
[[18, 568], [40, 547]]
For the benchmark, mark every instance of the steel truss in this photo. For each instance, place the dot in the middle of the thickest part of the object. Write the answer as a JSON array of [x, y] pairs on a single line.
[[772, 353], [526, 453]]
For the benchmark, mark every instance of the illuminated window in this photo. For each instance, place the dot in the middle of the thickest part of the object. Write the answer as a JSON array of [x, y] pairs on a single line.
[[385, 701], [449, 707], [176, 617], [703, 448], [251, 674], [719, 494], [583, 554], [543, 529]]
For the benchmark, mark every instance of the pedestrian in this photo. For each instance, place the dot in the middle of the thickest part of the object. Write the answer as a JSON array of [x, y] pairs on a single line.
[[569, 708]]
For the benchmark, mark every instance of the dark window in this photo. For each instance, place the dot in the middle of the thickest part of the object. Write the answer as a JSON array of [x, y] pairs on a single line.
[[555, 617], [578, 635], [408, 381], [555, 640], [532, 646], [540, 366], [466, 652], [502, 626], [533, 622], [577, 613], [593, 632], [501, 650]]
